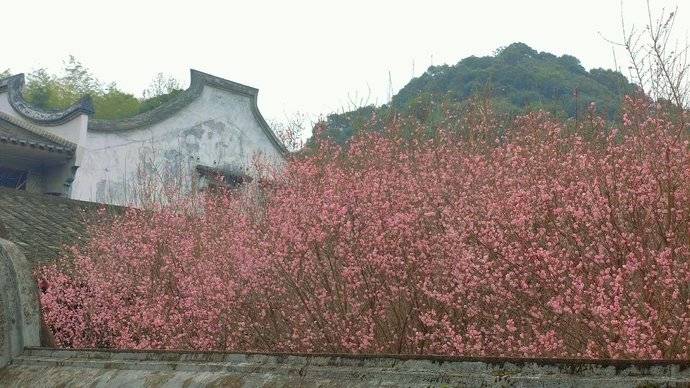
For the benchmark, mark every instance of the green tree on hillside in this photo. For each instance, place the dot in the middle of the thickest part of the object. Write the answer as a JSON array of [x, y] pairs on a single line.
[[524, 79], [516, 78]]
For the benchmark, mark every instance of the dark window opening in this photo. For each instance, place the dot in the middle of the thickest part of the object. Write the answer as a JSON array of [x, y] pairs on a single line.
[[13, 179], [226, 178]]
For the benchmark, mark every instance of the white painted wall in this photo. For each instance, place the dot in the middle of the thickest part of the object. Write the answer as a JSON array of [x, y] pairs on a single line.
[[217, 129], [5, 104]]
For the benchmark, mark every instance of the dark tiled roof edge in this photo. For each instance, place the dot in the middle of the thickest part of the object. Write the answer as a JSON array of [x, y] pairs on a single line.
[[14, 85], [41, 225], [60, 144]]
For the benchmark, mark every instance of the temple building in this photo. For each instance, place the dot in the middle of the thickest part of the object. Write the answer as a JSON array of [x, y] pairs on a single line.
[[212, 128]]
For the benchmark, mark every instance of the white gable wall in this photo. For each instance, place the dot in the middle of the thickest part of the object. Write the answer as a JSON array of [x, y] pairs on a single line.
[[218, 129]]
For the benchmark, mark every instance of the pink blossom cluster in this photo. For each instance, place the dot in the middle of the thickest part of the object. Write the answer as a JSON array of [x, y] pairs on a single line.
[[544, 239]]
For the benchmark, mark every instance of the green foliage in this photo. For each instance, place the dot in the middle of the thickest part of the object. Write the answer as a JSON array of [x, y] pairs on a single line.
[[517, 78], [46, 91], [342, 126], [154, 102], [161, 85], [78, 80], [115, 104], [49, 92], [161, 90], [524, 79]]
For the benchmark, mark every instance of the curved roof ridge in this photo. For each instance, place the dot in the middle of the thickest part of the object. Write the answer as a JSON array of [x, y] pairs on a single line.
[[198, 81], [14, 86]]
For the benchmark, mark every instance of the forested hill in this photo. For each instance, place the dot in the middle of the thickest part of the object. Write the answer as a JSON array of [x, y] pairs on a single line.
[[518, 78]]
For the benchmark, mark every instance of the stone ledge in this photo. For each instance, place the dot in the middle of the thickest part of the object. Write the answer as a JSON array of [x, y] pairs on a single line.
[[42, 366]]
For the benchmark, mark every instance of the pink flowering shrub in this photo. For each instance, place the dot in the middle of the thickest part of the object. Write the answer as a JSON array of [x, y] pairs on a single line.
[[546, 240]]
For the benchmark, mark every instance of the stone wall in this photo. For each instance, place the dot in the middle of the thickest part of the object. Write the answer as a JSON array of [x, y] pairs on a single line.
[[4, 352], [86, 368], [20, 321]]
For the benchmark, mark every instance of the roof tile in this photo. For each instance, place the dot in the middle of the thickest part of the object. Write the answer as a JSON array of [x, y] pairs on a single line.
[[41, 225]]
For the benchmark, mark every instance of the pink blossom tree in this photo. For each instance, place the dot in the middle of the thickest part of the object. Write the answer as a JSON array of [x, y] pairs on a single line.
[[547, 239]]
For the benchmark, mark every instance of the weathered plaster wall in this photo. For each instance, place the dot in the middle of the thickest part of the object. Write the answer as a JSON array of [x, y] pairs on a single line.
[[5, 104], [216, 129]]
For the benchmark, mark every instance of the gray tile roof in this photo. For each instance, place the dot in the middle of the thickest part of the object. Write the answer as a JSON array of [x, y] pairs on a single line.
[[17, 132], [41, 225]]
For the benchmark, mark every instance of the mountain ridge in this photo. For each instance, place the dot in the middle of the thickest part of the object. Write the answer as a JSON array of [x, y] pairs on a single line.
[[517, 78]]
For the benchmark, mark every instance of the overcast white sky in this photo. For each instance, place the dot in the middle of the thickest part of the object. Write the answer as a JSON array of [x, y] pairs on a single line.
[[313, 57]]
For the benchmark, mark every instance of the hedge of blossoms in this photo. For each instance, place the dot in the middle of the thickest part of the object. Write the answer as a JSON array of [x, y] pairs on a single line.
[[543, 241]]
